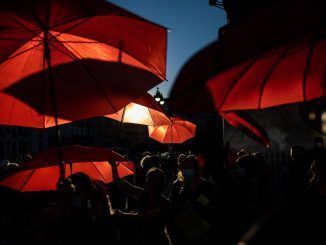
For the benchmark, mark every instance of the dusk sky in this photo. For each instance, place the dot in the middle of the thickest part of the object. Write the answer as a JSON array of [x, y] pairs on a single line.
[[193, 25]]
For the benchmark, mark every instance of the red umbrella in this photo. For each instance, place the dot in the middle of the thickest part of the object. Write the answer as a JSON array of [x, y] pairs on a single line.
[[144, 110], [74, 59], [42, 173], [177, 132], [273, 57], [248, 126], [75, 153], [46, 178]]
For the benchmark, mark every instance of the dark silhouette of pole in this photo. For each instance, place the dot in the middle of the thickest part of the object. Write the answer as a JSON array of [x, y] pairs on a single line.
[[47, 60]]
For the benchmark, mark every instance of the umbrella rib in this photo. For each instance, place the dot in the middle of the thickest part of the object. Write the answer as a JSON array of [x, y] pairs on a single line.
[[99, 171], [306, 70], [15, 31], [154, 130], [71, 27], [242, 73], [16, 39], [150, 114], [178, 134], [188, 129], [269, 74], [131, 55], [27, 179], [20, 53], [12, 17], [89, 73], [165, 133]]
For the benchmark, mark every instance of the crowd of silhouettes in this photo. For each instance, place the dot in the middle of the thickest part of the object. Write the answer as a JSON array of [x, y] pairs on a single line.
[[173, 199]]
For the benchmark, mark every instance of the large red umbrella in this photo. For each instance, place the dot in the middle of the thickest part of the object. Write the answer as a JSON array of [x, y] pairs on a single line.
[[177, 132], [247, 125], [144, 110], [273, 57], [75, 153], [46, 178], [74, 59], [42, 173]]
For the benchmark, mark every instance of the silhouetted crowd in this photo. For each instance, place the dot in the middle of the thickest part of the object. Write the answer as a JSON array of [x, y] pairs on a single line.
[[173, 199]]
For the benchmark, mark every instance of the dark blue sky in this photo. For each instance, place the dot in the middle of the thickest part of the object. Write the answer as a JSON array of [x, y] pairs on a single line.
[[193, 24]]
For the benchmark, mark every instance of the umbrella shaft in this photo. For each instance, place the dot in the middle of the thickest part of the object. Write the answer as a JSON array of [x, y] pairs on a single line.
[[47, 58]]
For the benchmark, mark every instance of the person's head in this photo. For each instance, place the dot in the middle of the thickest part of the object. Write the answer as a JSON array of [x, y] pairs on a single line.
[[11, 166], [318, 142], [259, 157], [146, 153], [155, 181], [4, 163], [150, 162], [100, 196], [297, 152], [181, 158], [242, 152], [189, 169], [247, 166], [82, 184], [27, 158]]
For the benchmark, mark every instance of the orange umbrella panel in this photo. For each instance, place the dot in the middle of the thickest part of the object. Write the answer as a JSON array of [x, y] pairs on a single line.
[[46, 178], [144, 110], [177, 132]]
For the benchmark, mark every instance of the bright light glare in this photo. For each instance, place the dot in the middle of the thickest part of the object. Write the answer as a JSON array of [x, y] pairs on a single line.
[[135, 113], [323, 122], [312, 116], [323, 117]]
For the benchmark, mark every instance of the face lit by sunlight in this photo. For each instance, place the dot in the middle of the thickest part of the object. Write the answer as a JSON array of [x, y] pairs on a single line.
[[135, 113]]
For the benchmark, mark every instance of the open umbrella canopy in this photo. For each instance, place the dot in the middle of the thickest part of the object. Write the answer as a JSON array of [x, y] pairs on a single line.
[[176, 132], [74, 59], [46, 178], [75, 153], [247, 125], [273, 57], [42, 173], [144, 110]]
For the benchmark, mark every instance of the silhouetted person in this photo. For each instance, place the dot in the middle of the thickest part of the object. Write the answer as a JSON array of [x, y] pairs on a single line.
[[190, 196], [317, 150], [77, 218], [237, 202], [296, 173], [299, 222], [146, 226], [147, 162]]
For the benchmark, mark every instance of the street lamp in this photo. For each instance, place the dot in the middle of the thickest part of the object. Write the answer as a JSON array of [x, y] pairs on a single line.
[[158, 96]]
